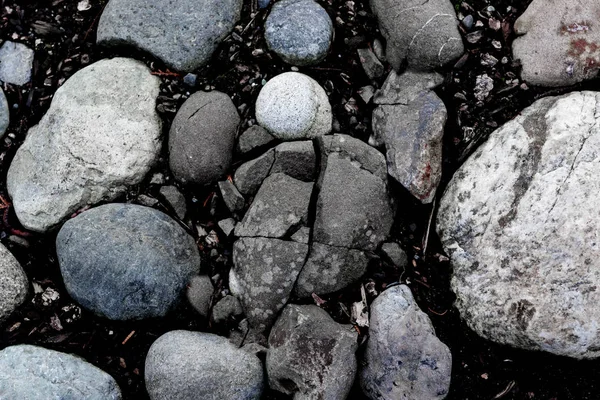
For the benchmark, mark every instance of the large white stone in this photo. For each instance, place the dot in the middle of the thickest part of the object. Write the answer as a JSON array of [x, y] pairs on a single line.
[[100, 135], [520, 222]]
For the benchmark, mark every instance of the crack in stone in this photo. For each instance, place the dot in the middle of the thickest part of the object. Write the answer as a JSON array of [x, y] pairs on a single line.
[[423, 28]]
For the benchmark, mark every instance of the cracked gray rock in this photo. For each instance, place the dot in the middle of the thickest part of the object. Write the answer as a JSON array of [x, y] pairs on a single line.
[[124, 261], [519, 222], [409, 121], [310, 355], [296, 159], [100, 136], [253, 138], [423, 35], [250, 175], [32, 372], [403, 357]]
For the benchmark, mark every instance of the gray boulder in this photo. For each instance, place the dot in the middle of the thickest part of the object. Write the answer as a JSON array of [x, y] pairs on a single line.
[[16, 62], [185, 365], [33, 373], [409, 120], [14, 284], [100, 136], [423, 35], [280, 204], [202, 138], [299, 31], [558, 45], [264, 273], [199, 293], [124, 261], [253, 138], [310, 355], [519, 222], [181, 33], [250, 175], [403, 358], [296, 159], [4, 113]]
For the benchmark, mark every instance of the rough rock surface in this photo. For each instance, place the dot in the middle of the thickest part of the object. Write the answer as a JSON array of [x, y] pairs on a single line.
[[202, 138], [519, 222], [299, 31], [32, 373], [125, 261], [174, 199], [403, 358], [229, 306], [16, 62], [185, 365], [253, 138], [199, 293], [182, 33], [294, 106], [13, 283], [4, 113], [310, 355], [250, 175], [233, 199], [296, 159], [422, 34], [559, 44], [409, 120], [100, 135]]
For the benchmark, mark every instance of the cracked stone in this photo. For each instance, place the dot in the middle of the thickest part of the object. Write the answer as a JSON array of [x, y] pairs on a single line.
[[519, 220], [233, 199], [250, 175], [302, 235], [296, 159], [253, 138]]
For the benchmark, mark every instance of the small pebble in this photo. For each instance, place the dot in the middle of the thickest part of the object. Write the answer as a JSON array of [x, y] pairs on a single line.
[[468, 22]]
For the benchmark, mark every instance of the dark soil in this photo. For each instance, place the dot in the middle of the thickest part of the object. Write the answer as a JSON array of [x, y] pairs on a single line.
[[64, 42]]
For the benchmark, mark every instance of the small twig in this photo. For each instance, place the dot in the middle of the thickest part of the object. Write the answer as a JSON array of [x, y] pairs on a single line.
[[166, 73], [506, 390], [437, 313], [428, 227], [423, 283], [128, 337]]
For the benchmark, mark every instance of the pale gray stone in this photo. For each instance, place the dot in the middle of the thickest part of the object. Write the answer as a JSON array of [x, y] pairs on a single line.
[[175, 199], [404, 88], [199, 293], [181, 33], [233, 199], [33, 373], [100, 136], [14, 284], [310, 355], [403, 358], [227, 225], [229, 306], [253, 138], [394, 252], [519, 222], [4, 113], [355, 150], [302, 235], [250, 175], [185, 365], [16, 62]]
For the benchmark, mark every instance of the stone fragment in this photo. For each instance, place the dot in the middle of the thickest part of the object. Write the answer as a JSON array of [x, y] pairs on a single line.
[[371, 65], [4, 113], [228, 307], [302, 235], [250, 175], [14, 285], [253, 138], [394, 253], [175, 199], [296, 159], [233, 199], [16, 62], [199, 293], [227, 225]]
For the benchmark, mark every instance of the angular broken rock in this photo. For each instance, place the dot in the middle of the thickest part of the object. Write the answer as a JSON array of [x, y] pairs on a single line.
[[310, 355], [250, 175], [403, 359], [519, 221], [100, 135], [296, 159], [233, 199], [558, 44], [253, 138], [409, 121], [422, 34]]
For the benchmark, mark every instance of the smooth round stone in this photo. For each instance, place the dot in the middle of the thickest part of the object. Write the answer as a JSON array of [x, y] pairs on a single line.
[[13, 283], [125, 261], [4, 113], [294, 106], [299, 31]]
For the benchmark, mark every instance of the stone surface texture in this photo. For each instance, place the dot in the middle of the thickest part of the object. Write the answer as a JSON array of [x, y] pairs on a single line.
[[4, 113], [199, 293], [519, 222], [181, 33], [403, 357], [33, 373], [185, 365], [16, 62], [125, 261], [14, 285], [253, 138], [558, 43], [100, 135]]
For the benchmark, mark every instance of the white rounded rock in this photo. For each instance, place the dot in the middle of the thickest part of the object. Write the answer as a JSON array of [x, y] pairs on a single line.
[[294, 106], [13, 283]]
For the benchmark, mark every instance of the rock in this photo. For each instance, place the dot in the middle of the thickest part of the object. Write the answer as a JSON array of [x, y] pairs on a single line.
[[296, 159], [299, 31], [468, 22], [366, 93], [263, 276], [229, 306], [4, 113], [101, 135], [402, 89], [185, 365], [124, 261], [253, 138], [294, 106], [310, 355], [14, 284], [280, 204], [527, 277], [403, 358], [483, 87], [199, 293], [190, 80], [227, 225], [250, 175], [302, 235], [395, 254], [202, 137], [371, 65], [147, 201], [233, 199], [32, 372], [263, 4], [16, 62], [329, 269], [379, 50], [423, 35], [175, 199], [181, 33], [557, 45]]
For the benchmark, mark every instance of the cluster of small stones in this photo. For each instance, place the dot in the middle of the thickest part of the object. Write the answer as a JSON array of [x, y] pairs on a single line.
[[307, 214]]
